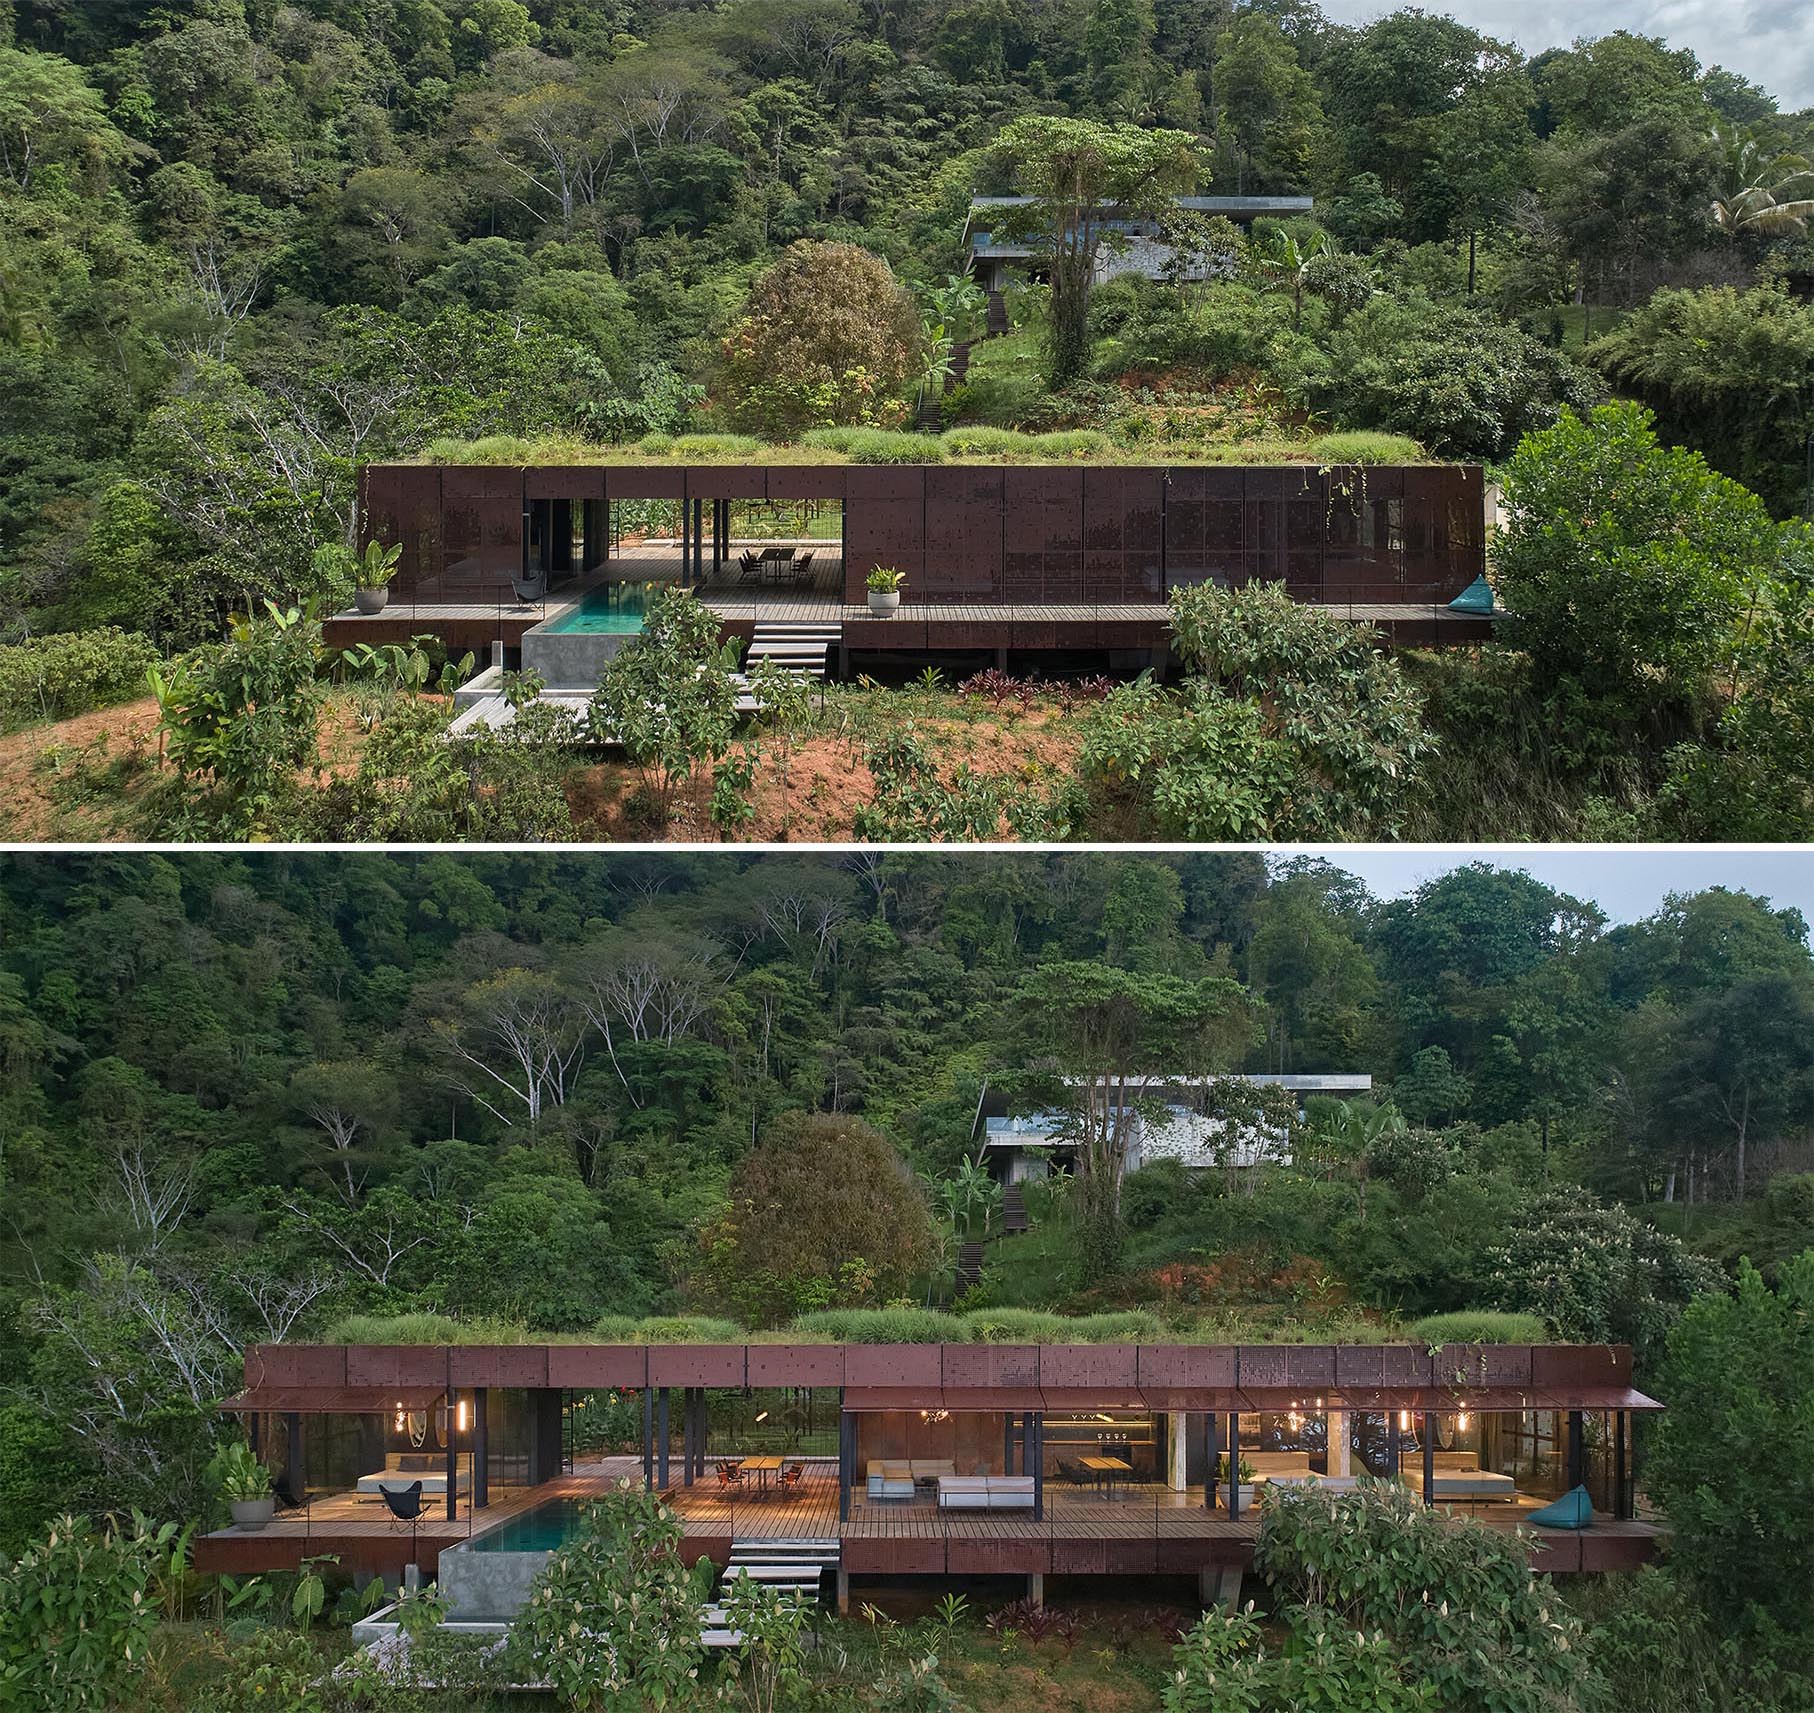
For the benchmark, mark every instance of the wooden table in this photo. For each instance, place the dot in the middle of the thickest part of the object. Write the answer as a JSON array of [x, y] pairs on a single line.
[[762, 1468], [1107, 1470]]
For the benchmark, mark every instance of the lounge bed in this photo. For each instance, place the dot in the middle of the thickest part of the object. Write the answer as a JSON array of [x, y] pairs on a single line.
[[428, 1467], [1458, 1475], [1278, 1465], [985, 1492]]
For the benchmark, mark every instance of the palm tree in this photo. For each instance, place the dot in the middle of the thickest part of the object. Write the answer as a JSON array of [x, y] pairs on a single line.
[[1283, 263], [1754, 192]]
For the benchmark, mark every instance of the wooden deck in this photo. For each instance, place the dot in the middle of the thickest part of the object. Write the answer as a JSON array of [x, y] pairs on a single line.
[[1141, 1529]]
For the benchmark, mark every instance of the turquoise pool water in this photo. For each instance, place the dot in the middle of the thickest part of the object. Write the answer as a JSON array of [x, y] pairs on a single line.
[[612, 609], [541, 1528]]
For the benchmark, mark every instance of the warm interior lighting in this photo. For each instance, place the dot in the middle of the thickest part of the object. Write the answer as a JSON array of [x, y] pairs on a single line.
[[762, 1415], [463, 1416], [1404, 1421], [1461, 1422], [1102, 1418]]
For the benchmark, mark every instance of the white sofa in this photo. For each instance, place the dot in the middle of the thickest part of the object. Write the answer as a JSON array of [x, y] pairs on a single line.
[[1457, 1475], [401, 1468], [894, 1477], [1278, 1465], [985, 1492]]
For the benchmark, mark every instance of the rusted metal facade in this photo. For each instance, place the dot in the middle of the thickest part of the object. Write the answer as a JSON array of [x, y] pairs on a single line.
[[984, 535]]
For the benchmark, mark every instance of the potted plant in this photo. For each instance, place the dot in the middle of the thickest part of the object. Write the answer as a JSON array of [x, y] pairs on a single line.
[[884, 585], [247, 1486], [372, 573], [1246, 1489]]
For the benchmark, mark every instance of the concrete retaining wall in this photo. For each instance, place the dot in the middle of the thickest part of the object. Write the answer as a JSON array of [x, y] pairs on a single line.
[[487, 1584]]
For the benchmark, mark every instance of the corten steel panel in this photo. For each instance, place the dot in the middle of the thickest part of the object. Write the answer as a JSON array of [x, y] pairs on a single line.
[[966, 1557], [1554, 1552], [1579, 1397], [807, 481], [1179, 1555], [580, 1367], [396, 1365], [1043, 533], [1036, 633], [893, 1365], [1105, 1557], [990, 1366], [401, 503], [1617, 1552], [696, 1365], [498, 1365], [884, 524], [963, 533], [482, 527], [1367, 1366], [1558, 1366], [645, 482], [796, 1365], [564, 482], [1187, 1365], [887, 1400], [893, 1556], [302, 1365], [727, 482], [695, 1547], [1115, 1366], [1483, 1365]]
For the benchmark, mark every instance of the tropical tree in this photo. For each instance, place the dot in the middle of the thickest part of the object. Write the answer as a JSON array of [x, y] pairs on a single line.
[[1283, 262], [1759, 193], [1080, 176]]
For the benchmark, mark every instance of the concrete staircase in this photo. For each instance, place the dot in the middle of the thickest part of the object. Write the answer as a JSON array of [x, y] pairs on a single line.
[[995, 321], [800, 646], [795, 1566]]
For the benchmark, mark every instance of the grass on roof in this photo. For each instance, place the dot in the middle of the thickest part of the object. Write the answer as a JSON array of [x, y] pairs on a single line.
[[968, 444]]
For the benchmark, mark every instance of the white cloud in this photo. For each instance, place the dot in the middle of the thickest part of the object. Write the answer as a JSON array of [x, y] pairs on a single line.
[[1769, 41]]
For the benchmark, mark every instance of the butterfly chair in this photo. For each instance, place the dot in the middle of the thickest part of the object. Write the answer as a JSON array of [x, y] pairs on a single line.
[[405, 1506]]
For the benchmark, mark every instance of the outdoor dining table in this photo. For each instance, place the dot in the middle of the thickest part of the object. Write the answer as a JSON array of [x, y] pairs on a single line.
[[762, 1468], [1108, 1470]]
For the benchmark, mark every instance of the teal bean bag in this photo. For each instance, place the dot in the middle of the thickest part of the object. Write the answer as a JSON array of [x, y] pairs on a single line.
[[1572, 1511], [1476, 598]]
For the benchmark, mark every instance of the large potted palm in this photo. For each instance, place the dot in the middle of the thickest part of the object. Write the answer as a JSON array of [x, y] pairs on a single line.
[[246, 1485], [372, 574]]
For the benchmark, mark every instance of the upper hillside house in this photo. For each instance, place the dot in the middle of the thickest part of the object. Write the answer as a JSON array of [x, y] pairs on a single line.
[[1034, 1145], [917, 1460], [1053, 562], [995, 258]]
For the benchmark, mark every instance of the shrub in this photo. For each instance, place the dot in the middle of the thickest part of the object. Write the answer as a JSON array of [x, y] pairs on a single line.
[[1365, 446], [613, 1621], [70, 672], [76, 1620], [881, 1326], [1479, 1326], [705, 446], [1225, 1662], [669, 1329], [424, 1327], [1456, 1599], [877, 445]]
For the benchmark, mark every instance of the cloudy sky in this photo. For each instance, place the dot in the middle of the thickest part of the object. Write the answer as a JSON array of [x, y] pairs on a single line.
[[1769, 41], [1626, 884]]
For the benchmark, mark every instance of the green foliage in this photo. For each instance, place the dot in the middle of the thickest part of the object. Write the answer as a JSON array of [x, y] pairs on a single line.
[[770, 1662], [239, 1473], [822, 1209], [1596, 1275], [1732, 1464], [1455, 1600], [76, 1617], [53, 677], [1479, 1326], [881, 1326], [1297, 725], [877, 445], [1224, 1664], [669, 697], [241, 715], [613, 1621], [1365, 446], [828, 337], [1627, 566]]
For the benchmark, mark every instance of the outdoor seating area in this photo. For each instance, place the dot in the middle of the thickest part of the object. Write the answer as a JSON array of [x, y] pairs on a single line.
[[751, 1477], [776, 568]]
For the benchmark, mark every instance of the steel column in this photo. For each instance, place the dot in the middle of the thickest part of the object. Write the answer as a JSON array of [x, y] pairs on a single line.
[[453, 1455], [1621, 1506], [1034, 1427], [1211, 1451], [1429, 1457], [481, 1447], [648, 1440], [1392, 1445], [661, 1438], [1007, 1443], [1234, 1464], [1577, 1451]]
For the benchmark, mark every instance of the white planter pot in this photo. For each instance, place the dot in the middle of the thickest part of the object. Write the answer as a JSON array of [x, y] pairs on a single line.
[[884, 606], [370, 601], [252, 1513]]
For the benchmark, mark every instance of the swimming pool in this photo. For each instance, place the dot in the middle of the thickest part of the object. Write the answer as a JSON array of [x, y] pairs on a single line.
[[541, 1528], [612, 609]]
